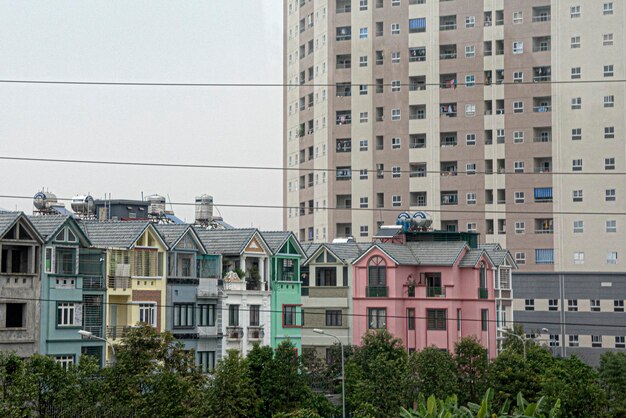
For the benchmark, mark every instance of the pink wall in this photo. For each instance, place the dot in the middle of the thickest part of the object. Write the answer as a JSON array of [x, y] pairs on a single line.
[[461, 292]]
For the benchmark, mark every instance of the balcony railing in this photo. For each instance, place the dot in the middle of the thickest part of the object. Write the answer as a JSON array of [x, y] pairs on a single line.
[[376, 292], [255, 333], [483, 293], [234, 333], [541, 109], [117, 331], [447, 55], [544, 231], [542, 139], [93, 282], [120, 283], [447, 26], [435, 292], [541, 18]]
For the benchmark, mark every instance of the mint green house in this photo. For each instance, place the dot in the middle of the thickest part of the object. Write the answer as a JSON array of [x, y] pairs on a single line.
[[285, 285]]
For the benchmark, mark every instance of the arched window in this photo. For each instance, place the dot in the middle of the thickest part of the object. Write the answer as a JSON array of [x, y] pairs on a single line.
[[377, 277]]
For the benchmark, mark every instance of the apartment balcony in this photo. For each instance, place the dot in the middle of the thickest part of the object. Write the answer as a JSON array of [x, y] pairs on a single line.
[[543, 134], [448, 109], [344, 61], [447, 23], [376, 292], [449, 198], [417, 112], [542, 74], [542, 44], [483, 293], [541, 14], [544, 226], [435, 292], [344, 118], [344, 33], [255, 333], [120, 285], [344, 145], [447, 52], [234, 333], [343, 6], [542, 104], [93, 283], [117, 331], [343, 173], [417, 83]]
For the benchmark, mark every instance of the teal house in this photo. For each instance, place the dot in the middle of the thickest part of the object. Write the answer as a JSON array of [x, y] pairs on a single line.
[[72, 291], [285, 286]]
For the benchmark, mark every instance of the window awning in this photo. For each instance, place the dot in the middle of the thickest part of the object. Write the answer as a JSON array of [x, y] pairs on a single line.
[[543, 192]]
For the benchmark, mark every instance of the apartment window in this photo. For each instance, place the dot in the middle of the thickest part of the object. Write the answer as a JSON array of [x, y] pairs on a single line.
[[410, 319], [395, 143], [15, 315], [364, 230], [609, 132], [364, 202], [518, 107], [376, 318], [471, 227], [518, 137], [395, 172], [577, 195], [363, 145], [607, 39], [470, 51], [609, 101], [470, 80], [553, 304], [206, 361], [470, 139], [395, 85], [596, 341], [333, 318], [363, 174], [395, 2], [544, 256], [470, 168], [518, 47], [518, 17], [484, 319], [573, 340], [66, 315], [608, 70], [396, 200], [611, 226], [183, 315], [64, 361], [579, 257], [611, 257], [577, 103], [620, 342], [518, 77], [470, 109], [363, 61], [363, 89], [572, 305], [594, 305], [520, 227], [554, 340], [577, 164], [363, 117], [363, 5], [520, 258], [436, 319], [529, 304], [519, 197], [609, 163], [395, 29], [607, 8], [363, 33], [575, 42], [577, 134], [289, 316], [618, 305], [519, 166], [233, 315], [471, 198], [395, 57], [578, 227], [395, 114], [609, 195], [575, 73], [325, 276], [417, 25], [380, 171], [206, 315], [574, 11], [470, 21]]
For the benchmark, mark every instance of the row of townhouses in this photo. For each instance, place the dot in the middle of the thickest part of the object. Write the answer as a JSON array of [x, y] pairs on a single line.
[[222, 289]]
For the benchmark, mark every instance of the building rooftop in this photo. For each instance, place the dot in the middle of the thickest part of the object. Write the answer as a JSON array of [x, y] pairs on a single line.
[[7, 220], [226, 241], [48, 225], [114, 234]]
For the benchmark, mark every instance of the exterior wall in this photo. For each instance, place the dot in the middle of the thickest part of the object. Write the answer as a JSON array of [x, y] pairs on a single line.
[[461, 293], [285, 292], [562, 322]]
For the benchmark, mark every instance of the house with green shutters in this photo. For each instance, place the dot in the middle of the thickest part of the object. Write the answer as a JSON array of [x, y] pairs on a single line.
[[286, 287], [72, 291]]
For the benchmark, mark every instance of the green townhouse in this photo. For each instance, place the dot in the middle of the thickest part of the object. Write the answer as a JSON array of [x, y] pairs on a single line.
[[285, 300], [72, 291]]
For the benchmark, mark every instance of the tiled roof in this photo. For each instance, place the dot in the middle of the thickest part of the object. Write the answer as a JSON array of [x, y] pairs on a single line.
[[310, 248], [275, 239], [437, 253], [225, 241], [470, 259], [490, 246], [48, 225], [402, 254], [114, 234], [171, 233], [346, 251], [7, 219]]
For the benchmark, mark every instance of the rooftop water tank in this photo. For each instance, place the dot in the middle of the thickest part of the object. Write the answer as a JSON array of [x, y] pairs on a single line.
[[156, 205], [83, 205], [204, 209], [44, 200]]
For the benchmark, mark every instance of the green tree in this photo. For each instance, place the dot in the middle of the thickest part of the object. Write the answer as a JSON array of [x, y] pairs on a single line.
[[231, 393], [378, 377], [612, 373], [472, 364], [435, 372]]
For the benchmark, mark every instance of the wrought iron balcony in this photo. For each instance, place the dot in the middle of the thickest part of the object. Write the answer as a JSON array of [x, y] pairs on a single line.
[[376, 292]]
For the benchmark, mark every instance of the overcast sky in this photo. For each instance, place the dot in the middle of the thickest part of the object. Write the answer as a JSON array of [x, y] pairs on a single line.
[[210, 41]]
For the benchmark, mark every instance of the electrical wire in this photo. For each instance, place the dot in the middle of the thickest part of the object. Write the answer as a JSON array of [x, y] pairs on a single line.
[[307, 312], [394, 210], [313, 169]]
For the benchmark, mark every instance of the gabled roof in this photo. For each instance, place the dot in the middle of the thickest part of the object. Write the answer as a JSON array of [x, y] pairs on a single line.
[[276, 241], [173, 233], [49, 225], [499, 255], [9, 219], [427, 253], [228, 241], [118, 234], [472, 257], [344, 252]]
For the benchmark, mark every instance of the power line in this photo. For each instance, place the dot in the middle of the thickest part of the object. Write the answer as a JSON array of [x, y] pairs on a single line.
[[271, 168], [307, 312], [171, 84], [394, 210]]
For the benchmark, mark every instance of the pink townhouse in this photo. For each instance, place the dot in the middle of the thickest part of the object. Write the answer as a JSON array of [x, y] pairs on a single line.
[[426, 293]]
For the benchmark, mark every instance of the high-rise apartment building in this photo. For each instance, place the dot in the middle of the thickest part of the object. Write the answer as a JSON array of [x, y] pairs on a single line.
[[501, 117]]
